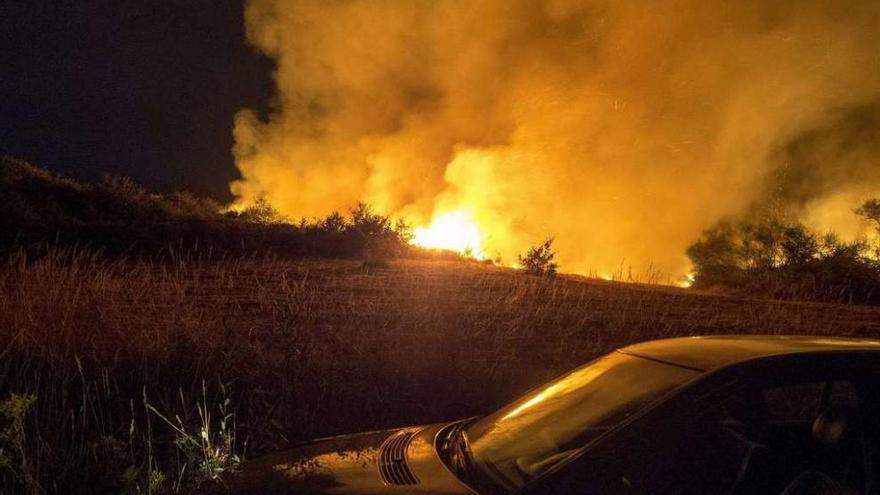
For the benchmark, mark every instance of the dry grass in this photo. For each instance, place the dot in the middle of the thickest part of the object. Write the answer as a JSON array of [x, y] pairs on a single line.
[[130, 363]]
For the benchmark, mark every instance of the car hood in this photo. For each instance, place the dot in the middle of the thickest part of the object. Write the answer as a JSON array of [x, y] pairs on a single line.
[[350, 464]]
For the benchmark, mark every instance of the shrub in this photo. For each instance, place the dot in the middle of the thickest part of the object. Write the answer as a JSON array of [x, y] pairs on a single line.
[[334, 223], [261, 212], [381, 241], [799, 246], [14, 445], [715, 255], [538, 260], [870, 210], [786, 260], [122, 219]]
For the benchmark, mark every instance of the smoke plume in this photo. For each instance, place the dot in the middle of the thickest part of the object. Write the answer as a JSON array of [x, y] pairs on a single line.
[[623, 128]]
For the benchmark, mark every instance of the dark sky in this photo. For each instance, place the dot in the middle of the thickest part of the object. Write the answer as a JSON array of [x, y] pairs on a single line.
[[146, 89]]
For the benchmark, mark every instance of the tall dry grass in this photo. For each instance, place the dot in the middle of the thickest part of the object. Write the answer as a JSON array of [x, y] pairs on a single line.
[[146, 377]]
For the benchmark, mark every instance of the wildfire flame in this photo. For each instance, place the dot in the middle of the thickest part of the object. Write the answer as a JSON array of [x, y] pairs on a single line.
[[687, 281], [456, 231], [515, 119]]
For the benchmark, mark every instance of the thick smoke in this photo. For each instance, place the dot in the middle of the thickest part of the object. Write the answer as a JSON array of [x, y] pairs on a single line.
[[624, 128]]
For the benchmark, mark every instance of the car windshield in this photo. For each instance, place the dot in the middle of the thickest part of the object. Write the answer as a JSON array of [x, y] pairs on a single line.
[[530, 435]]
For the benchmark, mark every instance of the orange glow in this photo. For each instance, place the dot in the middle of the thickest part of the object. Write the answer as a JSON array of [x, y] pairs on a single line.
[[491, 114], [687, 280], [456, 231], [571, 382]]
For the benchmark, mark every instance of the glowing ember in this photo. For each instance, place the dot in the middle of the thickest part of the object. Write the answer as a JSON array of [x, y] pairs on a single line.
[[686, 281], [456, 231]]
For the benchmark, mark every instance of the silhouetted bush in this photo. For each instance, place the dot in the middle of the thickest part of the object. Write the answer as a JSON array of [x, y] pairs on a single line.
[[120, 218], [538, 260], [787, 261], [260, 212], [871, 210], [798, 246], [716, 256], [381, 241]]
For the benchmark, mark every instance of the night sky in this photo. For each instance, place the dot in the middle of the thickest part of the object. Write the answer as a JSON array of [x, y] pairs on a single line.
[[146, 89]]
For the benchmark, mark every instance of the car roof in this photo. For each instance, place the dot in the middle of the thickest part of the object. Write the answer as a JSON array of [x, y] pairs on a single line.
[[712, 352]]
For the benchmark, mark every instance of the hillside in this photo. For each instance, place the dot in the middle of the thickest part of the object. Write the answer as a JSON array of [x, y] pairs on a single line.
[[297, 349], [119, 218]]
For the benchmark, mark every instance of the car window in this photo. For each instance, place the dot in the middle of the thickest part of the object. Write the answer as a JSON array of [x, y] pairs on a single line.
[[805, 401], [801, 402], [530, 435], [730, 433]]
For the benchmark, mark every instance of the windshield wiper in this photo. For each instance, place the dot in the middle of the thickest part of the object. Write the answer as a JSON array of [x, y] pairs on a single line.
[[460, 456], [460, 459]]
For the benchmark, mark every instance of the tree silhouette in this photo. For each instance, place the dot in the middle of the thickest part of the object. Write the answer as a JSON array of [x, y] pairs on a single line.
[[538, 260]]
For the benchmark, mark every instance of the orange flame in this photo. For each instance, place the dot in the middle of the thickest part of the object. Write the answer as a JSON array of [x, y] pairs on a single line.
[[455, 231]]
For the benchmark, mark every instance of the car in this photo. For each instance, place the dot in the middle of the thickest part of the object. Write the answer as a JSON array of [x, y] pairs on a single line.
[[699, 415]]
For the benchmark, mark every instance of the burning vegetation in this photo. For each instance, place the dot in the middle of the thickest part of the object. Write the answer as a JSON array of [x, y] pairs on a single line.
[[121, 219], [787, 260], [764, 255], [623, 129]]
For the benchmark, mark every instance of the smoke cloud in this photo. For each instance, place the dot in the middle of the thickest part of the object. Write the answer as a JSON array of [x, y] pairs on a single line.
[[623, 128]]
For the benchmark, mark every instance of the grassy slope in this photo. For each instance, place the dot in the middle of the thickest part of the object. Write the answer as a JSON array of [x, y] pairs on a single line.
[[320, 347], [121, 219]]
